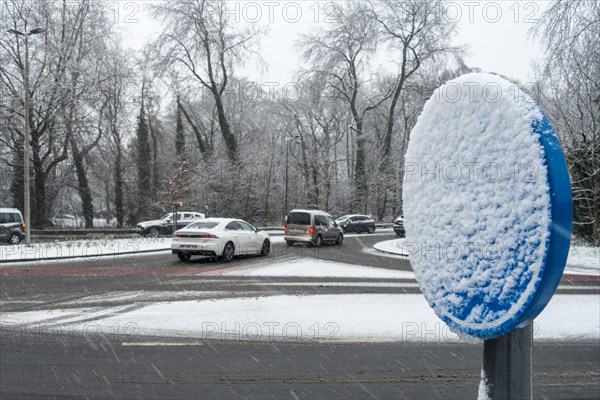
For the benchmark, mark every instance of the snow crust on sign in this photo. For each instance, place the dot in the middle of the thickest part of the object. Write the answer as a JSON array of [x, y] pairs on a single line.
[[477, 203]]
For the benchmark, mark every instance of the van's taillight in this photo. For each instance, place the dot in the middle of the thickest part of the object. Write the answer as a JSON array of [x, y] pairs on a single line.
[[285, 229], [311, 230], [177, 235], [23, 225]]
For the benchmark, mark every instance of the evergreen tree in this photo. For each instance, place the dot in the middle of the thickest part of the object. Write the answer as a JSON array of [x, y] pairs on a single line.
[[144, 164], [179, 136], [119, 208]]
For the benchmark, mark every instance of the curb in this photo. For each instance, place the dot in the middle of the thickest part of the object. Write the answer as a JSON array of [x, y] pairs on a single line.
[[389, 252]]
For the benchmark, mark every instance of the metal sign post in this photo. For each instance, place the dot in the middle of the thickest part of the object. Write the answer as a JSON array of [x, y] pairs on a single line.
[[508, 365]]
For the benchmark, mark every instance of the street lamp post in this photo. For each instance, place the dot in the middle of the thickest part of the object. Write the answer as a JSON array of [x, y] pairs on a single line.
[[27, 194], [287, 150]]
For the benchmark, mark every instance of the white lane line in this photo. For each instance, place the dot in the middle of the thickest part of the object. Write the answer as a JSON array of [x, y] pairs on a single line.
[[3, 302], [350, 284], [154, 344], [380, 233], [569, 287]]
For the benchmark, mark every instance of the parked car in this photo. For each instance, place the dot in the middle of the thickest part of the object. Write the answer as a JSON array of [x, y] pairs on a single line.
[[164, 226], [399, 226], [313, 227], [12, 227], [219, 237], [356, 223]]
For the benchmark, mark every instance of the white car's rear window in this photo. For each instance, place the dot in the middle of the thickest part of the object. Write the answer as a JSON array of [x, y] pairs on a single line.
[[203, 225]]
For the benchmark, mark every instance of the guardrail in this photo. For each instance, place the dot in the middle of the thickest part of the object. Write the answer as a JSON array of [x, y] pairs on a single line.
[[75, 234], [74, 231], [129, 231]]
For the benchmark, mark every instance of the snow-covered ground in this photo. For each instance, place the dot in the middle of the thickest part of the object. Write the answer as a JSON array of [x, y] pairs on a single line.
[[344, 317], [83, 248], [582, 260], [324, 318], [71, 221], [316, 268], [394, 246]]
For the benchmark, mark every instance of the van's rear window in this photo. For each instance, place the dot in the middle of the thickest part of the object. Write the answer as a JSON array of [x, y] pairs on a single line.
[[298, 218]]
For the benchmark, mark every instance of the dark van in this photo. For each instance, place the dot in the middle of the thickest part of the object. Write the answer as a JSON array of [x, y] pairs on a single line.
[[313, 227]]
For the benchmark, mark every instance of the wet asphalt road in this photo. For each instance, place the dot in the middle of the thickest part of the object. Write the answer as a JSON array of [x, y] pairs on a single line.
[[69, 367], [34, 365]]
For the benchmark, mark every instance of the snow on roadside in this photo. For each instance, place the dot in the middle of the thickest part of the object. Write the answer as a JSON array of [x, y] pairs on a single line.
[[582, 260], [315, 268], [394, 246], [323, 318], [82, 248]]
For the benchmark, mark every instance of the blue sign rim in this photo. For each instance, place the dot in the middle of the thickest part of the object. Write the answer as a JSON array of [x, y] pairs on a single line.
[[561, 221]]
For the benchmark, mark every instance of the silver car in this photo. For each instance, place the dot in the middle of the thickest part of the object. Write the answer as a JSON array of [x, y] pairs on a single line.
[[313, 227]]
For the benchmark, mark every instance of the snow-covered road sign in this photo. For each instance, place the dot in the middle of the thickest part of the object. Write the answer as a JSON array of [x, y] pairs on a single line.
[[487, 205]]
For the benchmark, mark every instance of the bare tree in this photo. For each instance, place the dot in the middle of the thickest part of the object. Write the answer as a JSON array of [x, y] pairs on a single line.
[[415, 34], [62, 61], [114, 119], [200, 40], [571, 87], [338, 55]]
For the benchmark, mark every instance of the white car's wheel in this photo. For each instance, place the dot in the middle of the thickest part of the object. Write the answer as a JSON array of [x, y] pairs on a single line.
[[266, 248], [228, 252], [184, 257]]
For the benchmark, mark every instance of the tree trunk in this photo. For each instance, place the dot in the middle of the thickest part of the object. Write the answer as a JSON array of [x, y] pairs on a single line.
[[204, 146], [155, 177], [87, 204], [38, 219], [228, 136], [39, 204], [360, 173], [17, 187]]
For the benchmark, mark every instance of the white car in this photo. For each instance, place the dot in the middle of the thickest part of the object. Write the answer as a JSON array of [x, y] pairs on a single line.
[[219, 237]]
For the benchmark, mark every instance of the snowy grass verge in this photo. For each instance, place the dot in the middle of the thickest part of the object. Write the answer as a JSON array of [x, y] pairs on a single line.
[[315, 268], [312, 318], [394, 246], [583, 260], [82, 248]]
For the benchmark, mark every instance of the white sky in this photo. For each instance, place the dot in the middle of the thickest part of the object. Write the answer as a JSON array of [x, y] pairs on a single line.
[[495, 32]]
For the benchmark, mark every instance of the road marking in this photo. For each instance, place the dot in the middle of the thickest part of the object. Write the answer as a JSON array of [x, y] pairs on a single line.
[[569, 287], [350, 284], [4, 302], [154, 344]]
